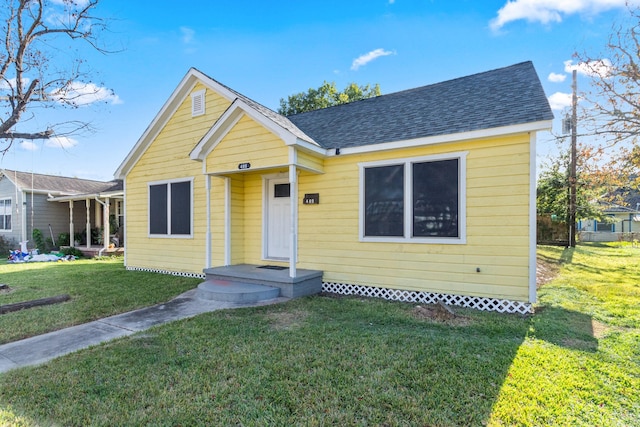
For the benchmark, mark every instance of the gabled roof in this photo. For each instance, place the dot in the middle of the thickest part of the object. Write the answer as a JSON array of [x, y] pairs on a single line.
[[58, 185], [183, 89], [271, 120], [499, 98], [509, 99]]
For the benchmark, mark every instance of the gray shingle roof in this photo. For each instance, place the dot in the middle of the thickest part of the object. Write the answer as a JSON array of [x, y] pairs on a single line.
[[60, 184], [503, 97]]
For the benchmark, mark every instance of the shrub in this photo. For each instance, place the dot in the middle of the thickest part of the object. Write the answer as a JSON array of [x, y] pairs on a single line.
[[72, 251], [38, 239]]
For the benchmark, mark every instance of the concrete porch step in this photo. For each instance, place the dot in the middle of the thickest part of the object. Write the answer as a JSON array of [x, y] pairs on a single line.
[[235, 291]]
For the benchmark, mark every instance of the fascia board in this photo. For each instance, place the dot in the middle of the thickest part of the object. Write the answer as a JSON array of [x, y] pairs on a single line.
[[454, 137], [166, 112], [230, 117], [214, 135]]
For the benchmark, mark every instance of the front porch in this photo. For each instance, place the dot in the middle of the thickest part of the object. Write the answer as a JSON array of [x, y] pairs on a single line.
[[306, 282]]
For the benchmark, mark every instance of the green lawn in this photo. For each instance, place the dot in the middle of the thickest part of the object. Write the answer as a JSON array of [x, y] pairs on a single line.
[[98, 288], [356, 361]]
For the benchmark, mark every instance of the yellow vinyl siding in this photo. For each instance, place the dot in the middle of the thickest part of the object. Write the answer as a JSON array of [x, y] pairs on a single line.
[[497, 210], [497, 182], [247, 142], [310, 162], [167, 158]]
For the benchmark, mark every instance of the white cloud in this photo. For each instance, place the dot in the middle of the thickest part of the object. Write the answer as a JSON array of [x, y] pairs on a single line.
[[368, 57], [79, 94], [560, 100], [187, 34], [60, 142], [29, 146], [598, 67], [547, 11], [557, 78], [9, 84], [54, 142]]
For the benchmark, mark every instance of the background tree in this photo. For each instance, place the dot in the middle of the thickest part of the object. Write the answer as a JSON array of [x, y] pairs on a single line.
[[37, 67], [612, 107], [325, 96], [598, 185]]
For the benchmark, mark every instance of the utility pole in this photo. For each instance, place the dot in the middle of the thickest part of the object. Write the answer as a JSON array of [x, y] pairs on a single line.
[[572, 167]]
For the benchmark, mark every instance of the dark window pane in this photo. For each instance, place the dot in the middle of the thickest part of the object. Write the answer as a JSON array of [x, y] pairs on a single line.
[[282, 190], [435, 199], [158, 209], [384, 201], [181, 208]]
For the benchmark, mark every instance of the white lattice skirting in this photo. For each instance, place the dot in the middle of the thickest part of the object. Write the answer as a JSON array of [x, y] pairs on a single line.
[[172, 273], [478, 303]]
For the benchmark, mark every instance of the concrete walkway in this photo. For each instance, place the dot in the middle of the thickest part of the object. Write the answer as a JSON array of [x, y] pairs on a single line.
[[42, 348]]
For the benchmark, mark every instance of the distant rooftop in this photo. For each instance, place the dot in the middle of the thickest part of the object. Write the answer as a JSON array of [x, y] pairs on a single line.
[[60, 185]]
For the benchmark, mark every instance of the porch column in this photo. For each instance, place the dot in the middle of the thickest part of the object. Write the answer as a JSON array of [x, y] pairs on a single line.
[[293, 186], [71, 230], [87, 203], [207, 245], [227, 220], [107, 225]]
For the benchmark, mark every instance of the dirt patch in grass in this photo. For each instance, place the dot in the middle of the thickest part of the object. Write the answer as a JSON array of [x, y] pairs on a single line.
[[5, 289], [440, 314], [285, 320], [546, 271]]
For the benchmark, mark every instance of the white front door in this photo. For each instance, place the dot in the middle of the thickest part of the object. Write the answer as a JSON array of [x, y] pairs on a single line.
[[278, 221]]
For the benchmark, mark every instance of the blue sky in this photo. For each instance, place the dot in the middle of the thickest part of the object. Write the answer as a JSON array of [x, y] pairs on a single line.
[[269, 50]]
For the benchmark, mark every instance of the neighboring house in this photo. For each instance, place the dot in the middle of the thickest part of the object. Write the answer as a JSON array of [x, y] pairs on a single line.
[[54, 205], [423, 195], [623, 222]]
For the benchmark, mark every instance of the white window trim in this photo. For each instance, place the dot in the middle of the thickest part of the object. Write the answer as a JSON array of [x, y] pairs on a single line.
[[170, 181], [195, 96], [461, 156], [8, 230]]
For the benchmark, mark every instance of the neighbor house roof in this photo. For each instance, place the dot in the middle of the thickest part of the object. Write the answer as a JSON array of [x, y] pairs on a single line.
[[504, 97], [621, 200], [59, 185]]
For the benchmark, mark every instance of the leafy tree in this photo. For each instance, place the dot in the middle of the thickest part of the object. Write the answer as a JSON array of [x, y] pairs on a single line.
[[597, 186], [326, 95], [33, 72]]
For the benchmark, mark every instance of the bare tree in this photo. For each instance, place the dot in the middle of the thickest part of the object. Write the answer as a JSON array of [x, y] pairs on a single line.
[[612, 108], [37, 65]]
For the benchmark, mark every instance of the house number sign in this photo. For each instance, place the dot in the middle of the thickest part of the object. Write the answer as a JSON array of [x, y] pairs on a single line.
[[311, 199], [243, 166]]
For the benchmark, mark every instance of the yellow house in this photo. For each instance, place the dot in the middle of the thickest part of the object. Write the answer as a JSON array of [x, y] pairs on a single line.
[[422, 195]]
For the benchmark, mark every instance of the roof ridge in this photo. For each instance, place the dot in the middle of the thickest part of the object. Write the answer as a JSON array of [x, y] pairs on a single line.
[[414, 89]]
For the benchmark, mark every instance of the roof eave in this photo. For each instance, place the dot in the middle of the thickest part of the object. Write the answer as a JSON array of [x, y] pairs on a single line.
[[542, 125]]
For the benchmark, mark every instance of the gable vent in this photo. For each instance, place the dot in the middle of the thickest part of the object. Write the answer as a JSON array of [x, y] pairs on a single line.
[[197, 103]]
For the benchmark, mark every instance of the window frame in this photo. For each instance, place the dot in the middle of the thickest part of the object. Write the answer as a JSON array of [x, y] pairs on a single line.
[[407, 163], [7, 230], [168, 183]]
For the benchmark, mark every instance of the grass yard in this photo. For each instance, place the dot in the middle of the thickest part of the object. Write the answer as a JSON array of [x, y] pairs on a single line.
[[355, 361], [98, 288]]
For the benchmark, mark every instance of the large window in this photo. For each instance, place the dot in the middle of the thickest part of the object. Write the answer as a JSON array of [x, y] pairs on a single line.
[[170, 208], [414, 200], [5, 214]]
